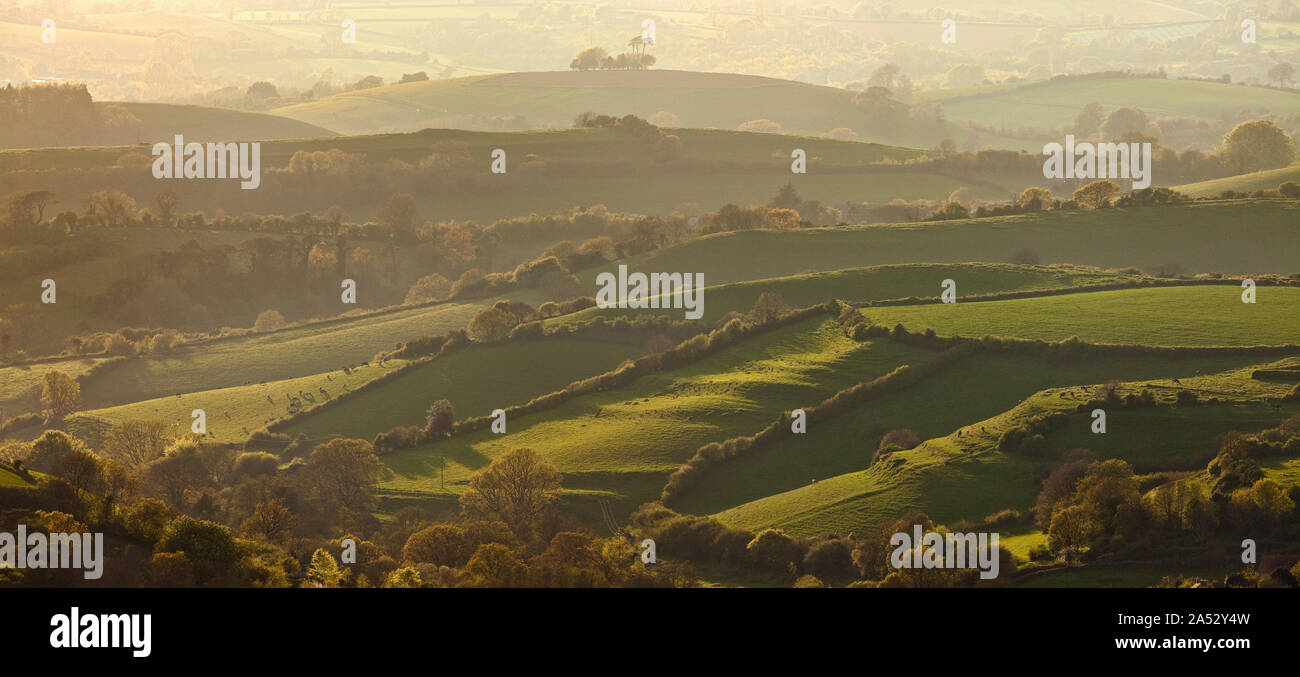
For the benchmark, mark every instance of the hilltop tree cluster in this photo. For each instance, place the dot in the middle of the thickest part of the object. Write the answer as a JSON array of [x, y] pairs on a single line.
[[598, 58]]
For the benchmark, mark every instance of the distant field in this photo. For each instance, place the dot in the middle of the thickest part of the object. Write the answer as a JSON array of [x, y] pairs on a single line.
[[476, 381], [623, 444], [868, 284], [1056, 103], [312, 349], [966, 477], [553, 99], [1243, 183], [1167, 316], [1200, 238]]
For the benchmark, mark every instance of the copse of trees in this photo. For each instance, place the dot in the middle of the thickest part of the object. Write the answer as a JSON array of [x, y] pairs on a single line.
[[663, 146], [55, 114], [1095, 507], [598, 58]]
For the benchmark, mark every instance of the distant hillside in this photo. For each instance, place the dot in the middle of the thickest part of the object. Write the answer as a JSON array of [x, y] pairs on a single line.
[[201, 123], [548, 171], [552, 99]]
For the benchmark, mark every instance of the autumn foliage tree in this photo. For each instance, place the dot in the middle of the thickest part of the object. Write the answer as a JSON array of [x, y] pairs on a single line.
[[515, 488], [60, 393], [1097, 194], [1256, 145]]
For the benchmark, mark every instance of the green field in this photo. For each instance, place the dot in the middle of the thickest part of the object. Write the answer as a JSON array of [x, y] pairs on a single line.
[[232, 413], [258, 358], [869, 284], [624, 443], [1054, 104], [1125, 575], [476, 381], [964, 394], [1165, 316], [966, 477], [1200, 238]]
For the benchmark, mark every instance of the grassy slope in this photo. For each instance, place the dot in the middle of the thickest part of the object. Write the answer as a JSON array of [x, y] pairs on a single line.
[[966, 477], [312, 349], [1242, 183], [1204, 237], [1055, 104], [202, 123], [968, 392], [868, 284], [554, 99], [9, 479], [624, 443], [476, 381], [232, 413], [1169, 316]]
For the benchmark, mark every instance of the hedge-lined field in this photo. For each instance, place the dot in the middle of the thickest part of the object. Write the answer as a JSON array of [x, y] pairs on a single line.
[[258, 358], [872, 284], [628, 440], [1165, 316], [966, 476], [964, 394], [476, 381]]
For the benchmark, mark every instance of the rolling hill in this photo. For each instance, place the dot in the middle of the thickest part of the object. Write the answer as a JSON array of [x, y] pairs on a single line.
[[547, 171], [203, 123], [553, 99]]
